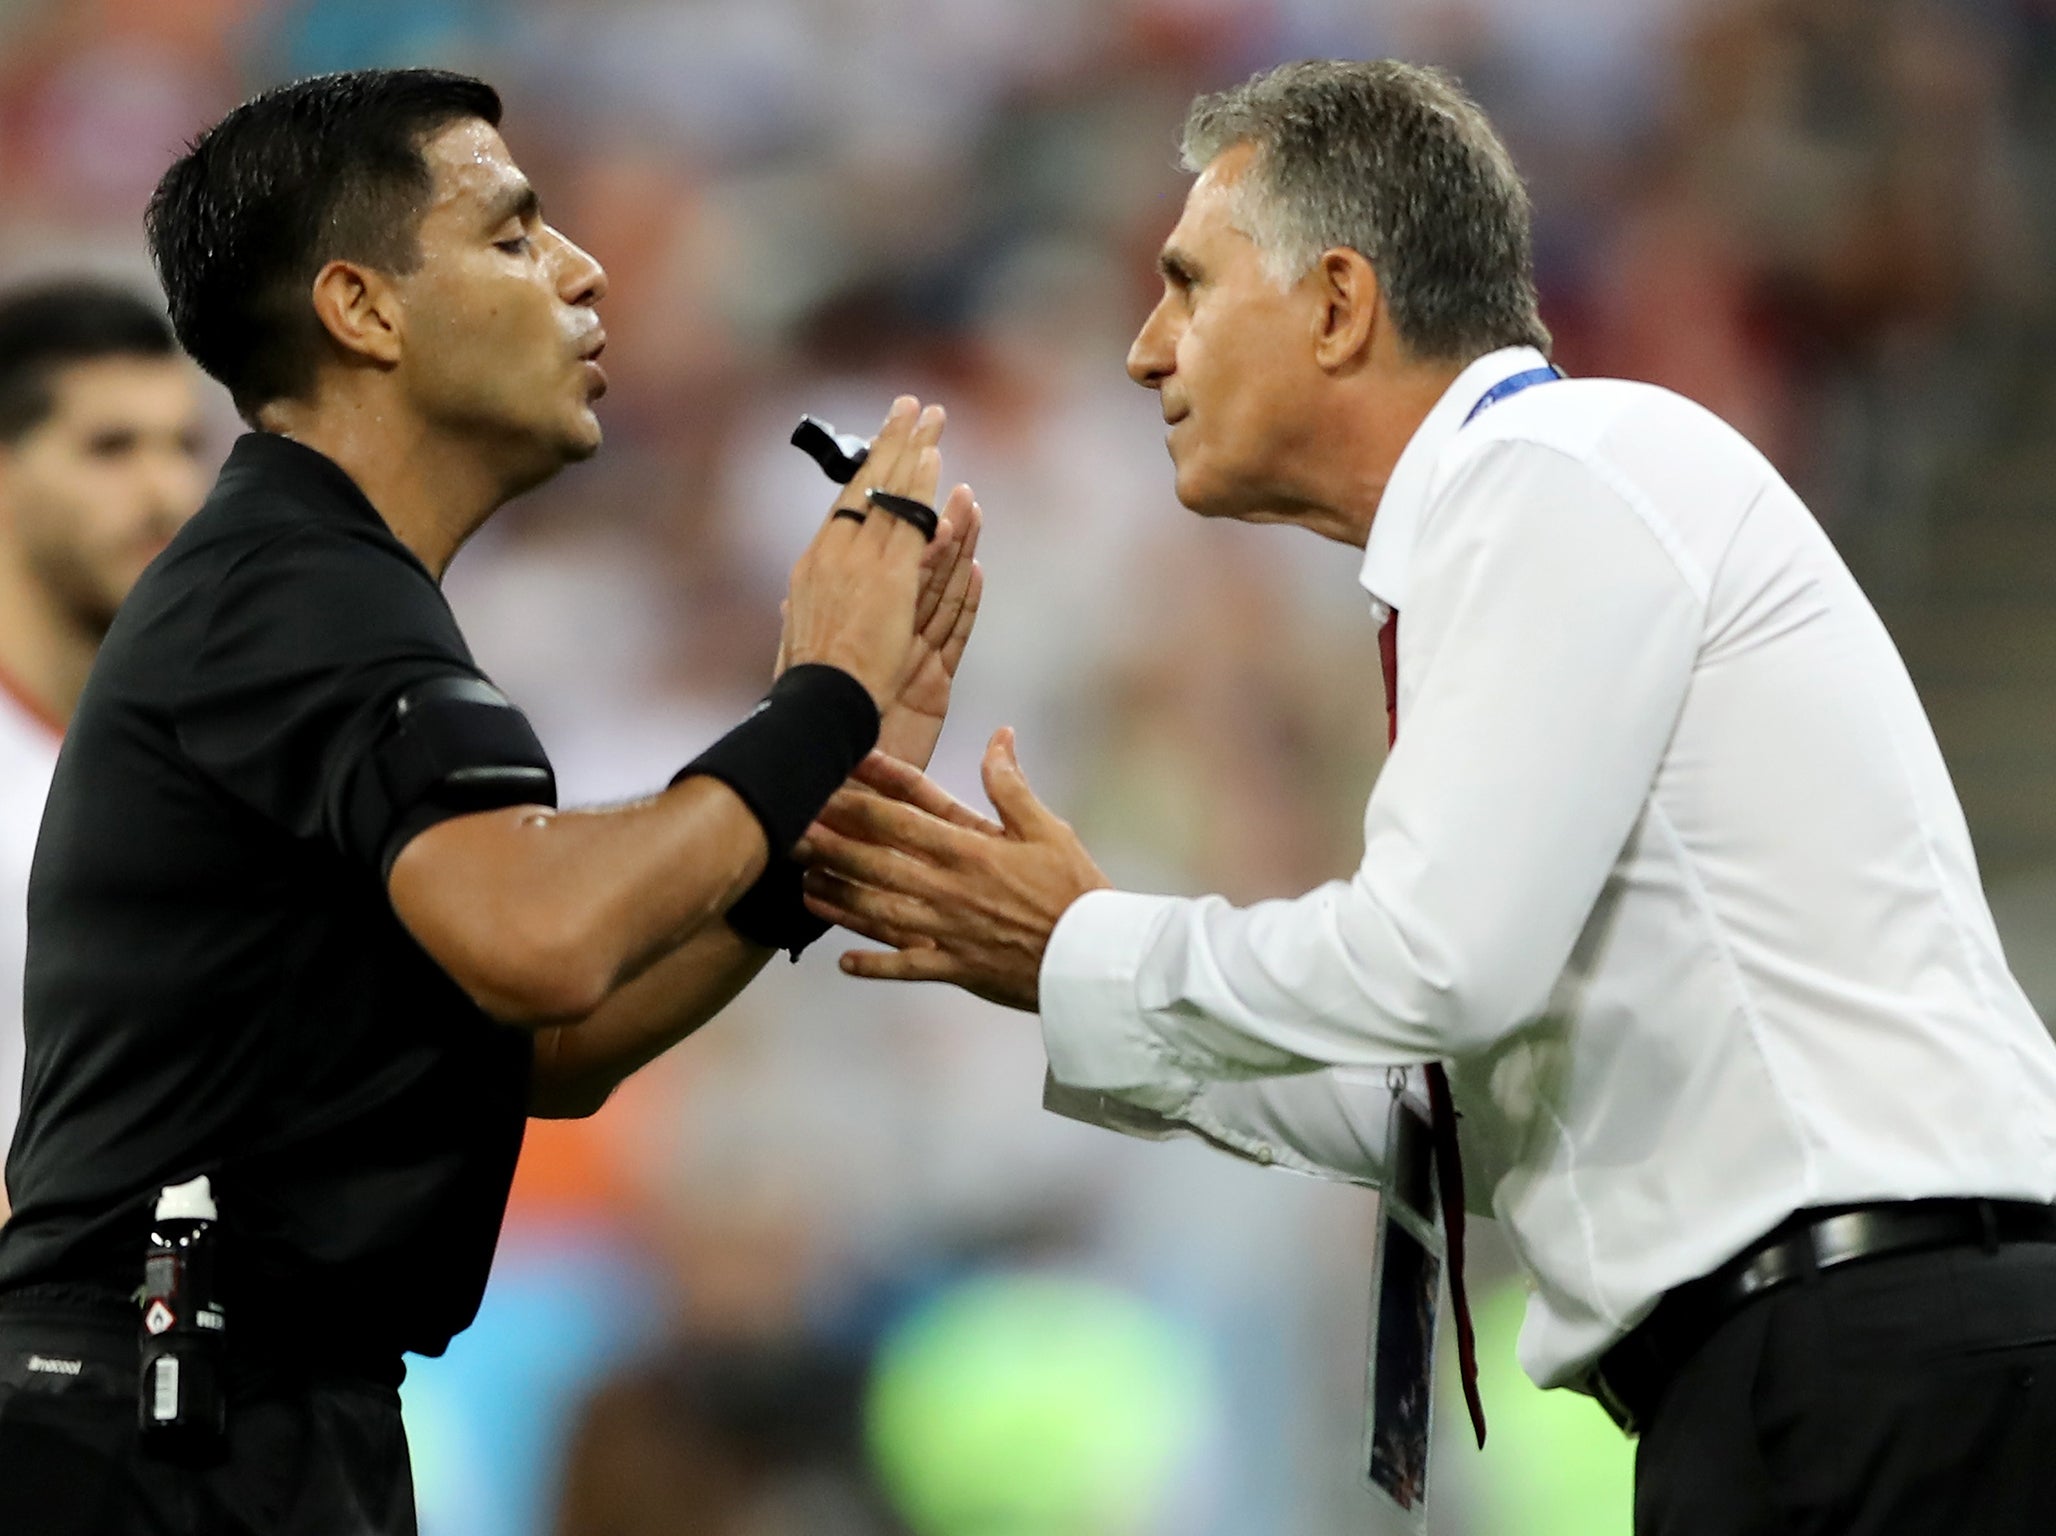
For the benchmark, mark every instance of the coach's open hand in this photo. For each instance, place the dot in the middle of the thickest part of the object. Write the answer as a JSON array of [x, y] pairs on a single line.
[[959, 897]]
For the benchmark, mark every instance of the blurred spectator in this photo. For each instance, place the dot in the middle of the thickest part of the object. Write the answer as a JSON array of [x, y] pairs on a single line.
[[1035, 1406], [727, 1439]]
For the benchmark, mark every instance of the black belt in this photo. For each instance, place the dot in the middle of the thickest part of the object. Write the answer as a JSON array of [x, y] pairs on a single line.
[[1630, 1378], [259, 1350]]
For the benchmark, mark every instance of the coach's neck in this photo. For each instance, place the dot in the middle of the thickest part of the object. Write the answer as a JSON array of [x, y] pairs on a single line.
[[1362, 418]]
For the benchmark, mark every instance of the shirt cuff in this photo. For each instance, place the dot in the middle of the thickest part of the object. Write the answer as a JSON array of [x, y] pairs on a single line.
[[1094, 1030]]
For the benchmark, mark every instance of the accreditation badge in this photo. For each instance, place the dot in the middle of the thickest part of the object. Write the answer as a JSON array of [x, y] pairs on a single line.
[[1406, 1291]]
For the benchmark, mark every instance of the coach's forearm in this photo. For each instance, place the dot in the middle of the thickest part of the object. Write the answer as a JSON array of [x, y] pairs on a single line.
[[541, 915], [578, 1065]]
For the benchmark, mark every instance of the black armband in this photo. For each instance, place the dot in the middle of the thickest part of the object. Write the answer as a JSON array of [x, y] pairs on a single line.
[[793, 750], [456, 745]]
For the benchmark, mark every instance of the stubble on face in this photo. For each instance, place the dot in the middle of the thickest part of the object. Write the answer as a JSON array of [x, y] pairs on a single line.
[[495, 343]]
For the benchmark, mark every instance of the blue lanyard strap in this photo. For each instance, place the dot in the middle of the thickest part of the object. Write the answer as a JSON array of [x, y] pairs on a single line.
[[1506, 389]]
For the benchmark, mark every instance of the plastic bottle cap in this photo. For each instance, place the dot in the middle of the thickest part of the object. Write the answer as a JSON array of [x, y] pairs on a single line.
[[192, 1201]]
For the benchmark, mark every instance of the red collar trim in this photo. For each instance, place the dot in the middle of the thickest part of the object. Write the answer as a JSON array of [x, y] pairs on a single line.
[[29, 706]]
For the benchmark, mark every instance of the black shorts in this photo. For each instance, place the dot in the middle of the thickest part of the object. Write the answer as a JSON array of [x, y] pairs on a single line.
[[323, 1456]]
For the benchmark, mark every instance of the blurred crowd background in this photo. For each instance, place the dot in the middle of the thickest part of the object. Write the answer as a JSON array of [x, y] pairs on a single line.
[[829, 1268]]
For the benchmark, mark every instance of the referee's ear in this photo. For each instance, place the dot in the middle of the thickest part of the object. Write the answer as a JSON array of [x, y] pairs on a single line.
[[358, 308], [1346, 309]]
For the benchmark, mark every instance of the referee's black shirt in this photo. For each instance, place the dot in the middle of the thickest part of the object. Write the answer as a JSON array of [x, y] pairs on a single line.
[[216, 981]]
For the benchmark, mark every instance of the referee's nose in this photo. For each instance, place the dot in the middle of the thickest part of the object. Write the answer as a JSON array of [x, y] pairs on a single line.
[[581, 279]]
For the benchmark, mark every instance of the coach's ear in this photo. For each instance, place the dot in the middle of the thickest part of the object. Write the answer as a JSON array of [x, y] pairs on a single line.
[[1347, 305], [358, 307]]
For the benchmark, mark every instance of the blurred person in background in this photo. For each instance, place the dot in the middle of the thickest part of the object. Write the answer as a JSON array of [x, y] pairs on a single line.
[[304, 921], [100, 435], [1666, 866], [1844, 172], [1035, 1404], [723, 1437]]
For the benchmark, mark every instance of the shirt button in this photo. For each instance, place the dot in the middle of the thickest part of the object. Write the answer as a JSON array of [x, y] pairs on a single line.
[[1264, 1155]]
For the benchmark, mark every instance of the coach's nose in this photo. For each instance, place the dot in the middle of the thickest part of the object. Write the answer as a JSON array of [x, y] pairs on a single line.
[[1153, 353]]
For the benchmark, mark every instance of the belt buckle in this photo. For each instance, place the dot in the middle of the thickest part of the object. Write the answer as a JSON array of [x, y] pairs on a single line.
[[1616, 1408]]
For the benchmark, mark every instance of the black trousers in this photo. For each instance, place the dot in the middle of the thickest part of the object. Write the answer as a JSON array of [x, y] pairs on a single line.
[[1911, 1395], [307, 1456]]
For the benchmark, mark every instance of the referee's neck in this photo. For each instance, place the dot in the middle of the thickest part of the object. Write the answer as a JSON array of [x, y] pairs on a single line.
[[432, 492]]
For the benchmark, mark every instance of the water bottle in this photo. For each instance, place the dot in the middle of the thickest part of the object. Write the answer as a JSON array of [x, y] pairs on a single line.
[[183, 1406]]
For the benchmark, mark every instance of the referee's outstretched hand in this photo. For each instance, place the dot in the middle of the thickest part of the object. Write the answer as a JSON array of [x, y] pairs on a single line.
[[959, 897], [856, 588]]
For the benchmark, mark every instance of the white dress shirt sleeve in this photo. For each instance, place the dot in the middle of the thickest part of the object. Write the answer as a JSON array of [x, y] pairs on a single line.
[[1331, 1124], [1545, 651]]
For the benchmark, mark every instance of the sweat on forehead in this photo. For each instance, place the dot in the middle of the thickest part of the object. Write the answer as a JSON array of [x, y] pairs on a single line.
[[469, 160]]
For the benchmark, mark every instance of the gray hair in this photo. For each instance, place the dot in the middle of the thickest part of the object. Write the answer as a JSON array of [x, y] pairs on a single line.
[[1395, 162]]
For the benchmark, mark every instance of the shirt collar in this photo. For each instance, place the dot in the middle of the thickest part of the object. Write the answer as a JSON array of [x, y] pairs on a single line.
[[1388, 552], [292, 475], [270, 462]]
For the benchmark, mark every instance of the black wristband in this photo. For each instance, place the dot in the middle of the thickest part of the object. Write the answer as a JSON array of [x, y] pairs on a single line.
[[793, 750], [773, 912]]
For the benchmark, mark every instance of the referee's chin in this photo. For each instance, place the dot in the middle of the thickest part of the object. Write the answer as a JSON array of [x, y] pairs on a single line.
[[582, 443], [541, 458]]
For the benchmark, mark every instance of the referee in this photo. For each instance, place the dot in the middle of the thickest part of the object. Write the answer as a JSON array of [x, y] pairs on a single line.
[[1664, 888], [303, 920]]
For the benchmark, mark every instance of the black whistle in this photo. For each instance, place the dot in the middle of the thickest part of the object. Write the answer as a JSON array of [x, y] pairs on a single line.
[[840, 454]]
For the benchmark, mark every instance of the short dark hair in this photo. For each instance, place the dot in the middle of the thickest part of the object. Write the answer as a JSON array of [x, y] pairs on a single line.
[[321, 170], [48, 326], [1395, 162]]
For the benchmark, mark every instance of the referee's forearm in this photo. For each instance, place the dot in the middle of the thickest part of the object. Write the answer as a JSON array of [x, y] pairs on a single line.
[[540, 915], [578, 1065]]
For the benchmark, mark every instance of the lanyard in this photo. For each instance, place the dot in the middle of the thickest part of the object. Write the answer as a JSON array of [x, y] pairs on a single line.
[[1506, 389]]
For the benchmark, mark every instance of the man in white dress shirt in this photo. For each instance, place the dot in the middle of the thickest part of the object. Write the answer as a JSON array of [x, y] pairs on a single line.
[[99, 441], [1665, 863]]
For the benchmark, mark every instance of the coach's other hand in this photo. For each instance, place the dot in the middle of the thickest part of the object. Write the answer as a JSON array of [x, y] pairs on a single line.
[[959, 897]]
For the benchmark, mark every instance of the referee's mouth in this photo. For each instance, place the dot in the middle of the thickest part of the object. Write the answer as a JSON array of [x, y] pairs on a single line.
[[589, 359]]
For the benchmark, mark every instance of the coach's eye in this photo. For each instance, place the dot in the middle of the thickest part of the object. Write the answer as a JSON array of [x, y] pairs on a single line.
[[515, 247]]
